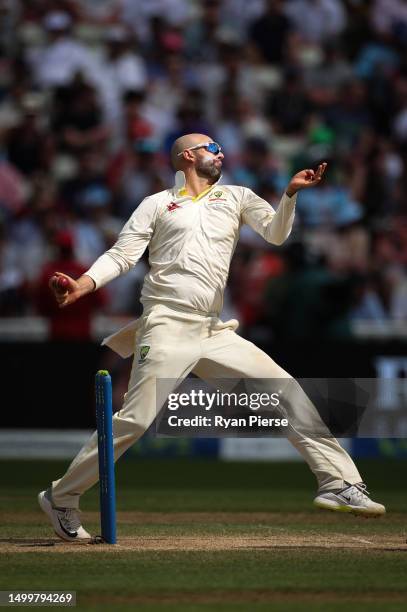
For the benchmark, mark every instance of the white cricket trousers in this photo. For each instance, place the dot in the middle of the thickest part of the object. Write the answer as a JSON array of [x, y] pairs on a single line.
[[182, 342]]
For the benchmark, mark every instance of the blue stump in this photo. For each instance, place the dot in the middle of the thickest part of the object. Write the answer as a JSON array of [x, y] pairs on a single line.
[[104, 414]]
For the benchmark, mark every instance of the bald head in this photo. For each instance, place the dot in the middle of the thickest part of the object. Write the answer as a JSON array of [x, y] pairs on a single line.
[[182, 143]]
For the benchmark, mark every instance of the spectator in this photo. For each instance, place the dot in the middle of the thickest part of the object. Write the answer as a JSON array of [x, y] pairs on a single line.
[[34, 227], [367, 305], [307, 301], [382, 168], [263, 265], [333, 207], [349, 116], [123, 70], [389, 17], [325, 81], [317, 21], [167, 88], [30, 145], [398, 305], [270, 32], [90, 174], [376, 57], [74, 325], [202, 34], [136, 174], [232, 76], [93, 228], [136, 123], [228, 126], [78, 118], [138, 15], [100, 12], [13, 189], [239, 14], [257, 166], [289, 107], [63, 57]]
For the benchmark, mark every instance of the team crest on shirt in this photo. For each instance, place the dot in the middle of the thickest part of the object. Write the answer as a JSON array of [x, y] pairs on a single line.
[[173, 206], [143, 353], [217, 197]]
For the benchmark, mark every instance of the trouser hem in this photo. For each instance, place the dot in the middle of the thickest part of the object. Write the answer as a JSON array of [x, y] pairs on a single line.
[[337, 485], [65, 501]]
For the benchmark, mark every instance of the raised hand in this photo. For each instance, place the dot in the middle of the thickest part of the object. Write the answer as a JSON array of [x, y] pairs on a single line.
[[305, 178]]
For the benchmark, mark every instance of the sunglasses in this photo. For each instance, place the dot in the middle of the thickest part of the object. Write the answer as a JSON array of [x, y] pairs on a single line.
[[211, 147]]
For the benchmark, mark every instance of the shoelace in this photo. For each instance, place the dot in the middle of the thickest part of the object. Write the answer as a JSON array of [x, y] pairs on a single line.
[[359, 490], [362, 487], [70, 519]]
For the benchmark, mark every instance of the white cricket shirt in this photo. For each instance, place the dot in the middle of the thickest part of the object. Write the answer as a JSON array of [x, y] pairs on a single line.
[[191, 242]]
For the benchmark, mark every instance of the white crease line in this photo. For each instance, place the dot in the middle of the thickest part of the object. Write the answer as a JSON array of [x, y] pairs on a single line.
[[361, 540]]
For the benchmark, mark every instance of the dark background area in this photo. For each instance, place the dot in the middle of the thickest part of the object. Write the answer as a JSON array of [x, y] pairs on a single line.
[[47, 385]]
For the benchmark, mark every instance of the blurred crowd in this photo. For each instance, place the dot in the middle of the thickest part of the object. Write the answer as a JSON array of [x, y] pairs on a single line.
[[93, 93]]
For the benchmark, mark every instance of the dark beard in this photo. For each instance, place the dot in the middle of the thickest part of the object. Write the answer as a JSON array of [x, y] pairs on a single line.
[[207, 169]]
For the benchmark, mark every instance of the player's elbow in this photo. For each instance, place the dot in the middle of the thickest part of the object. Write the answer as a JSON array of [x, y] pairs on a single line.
[[278, 239], [122, 259]]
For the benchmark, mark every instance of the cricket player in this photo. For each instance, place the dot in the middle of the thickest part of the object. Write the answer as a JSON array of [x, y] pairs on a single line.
[[191, 231]]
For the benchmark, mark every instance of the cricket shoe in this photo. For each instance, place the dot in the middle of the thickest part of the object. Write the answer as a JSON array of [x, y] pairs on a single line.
[[65, 521], [352, 498]]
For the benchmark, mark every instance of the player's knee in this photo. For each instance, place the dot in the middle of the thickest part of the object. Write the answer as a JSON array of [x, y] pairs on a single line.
[[130, 423]]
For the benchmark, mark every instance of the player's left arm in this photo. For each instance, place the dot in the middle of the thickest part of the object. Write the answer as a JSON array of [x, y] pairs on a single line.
[[275, 226]]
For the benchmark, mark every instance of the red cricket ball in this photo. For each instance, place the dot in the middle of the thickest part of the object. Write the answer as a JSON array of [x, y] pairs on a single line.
[[61, 284]]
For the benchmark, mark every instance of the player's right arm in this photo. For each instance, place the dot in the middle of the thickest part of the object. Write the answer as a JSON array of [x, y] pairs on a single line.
[[119, 259]]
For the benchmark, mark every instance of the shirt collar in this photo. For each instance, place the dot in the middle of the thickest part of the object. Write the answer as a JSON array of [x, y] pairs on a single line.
[[179, 189]]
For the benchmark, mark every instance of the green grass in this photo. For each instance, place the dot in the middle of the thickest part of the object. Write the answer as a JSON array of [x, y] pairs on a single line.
[[218, 576], [186, 485], [260, 577], [135, 572]]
